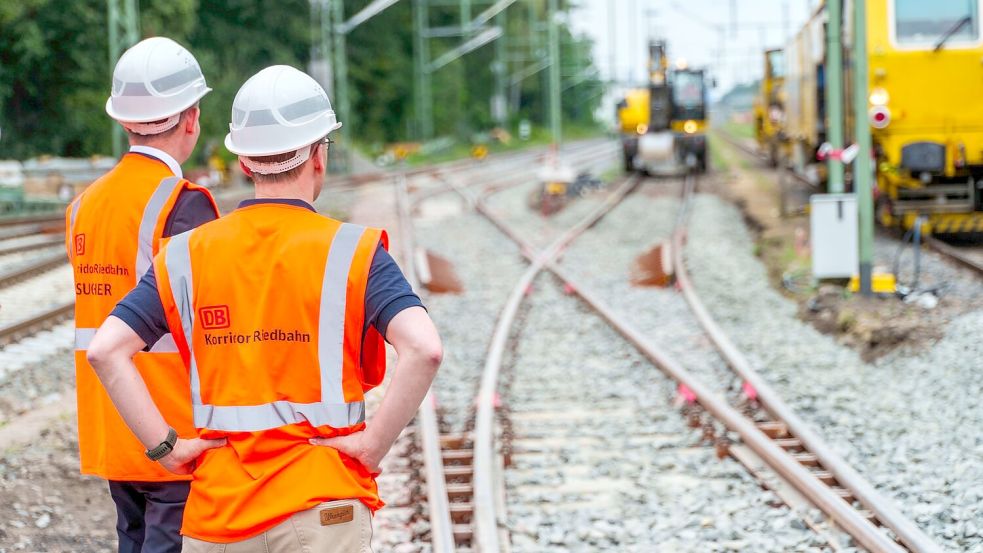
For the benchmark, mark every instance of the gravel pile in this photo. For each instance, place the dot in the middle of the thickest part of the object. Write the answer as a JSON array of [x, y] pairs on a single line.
[[912, 422], [603, 462]]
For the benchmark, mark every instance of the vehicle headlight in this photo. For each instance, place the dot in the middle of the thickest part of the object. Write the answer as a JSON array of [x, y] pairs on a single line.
[[879, 97], [642, 128], [689, 127]]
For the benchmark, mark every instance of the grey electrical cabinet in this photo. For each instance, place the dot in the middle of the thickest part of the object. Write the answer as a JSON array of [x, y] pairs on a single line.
[[833, 235]]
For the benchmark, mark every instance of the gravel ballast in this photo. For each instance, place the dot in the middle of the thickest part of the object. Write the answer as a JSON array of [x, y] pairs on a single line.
[[603, 462], [912, 422]]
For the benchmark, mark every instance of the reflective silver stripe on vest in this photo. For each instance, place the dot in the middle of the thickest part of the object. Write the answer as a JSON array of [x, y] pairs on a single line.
[[84, 336], [332, 410], [75, 212], [71, 227], [177, 259], [331, 326], [148, 223], [254, 418]]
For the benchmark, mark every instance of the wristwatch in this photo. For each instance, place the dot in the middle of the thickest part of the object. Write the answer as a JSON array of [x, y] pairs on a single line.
[[165, 447]]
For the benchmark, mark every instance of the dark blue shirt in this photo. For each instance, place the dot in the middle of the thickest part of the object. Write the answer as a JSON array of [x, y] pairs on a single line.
[[387, 292]]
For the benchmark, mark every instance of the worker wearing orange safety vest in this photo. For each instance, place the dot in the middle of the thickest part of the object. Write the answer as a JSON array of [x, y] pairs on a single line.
[[272, 308], [113, 230]]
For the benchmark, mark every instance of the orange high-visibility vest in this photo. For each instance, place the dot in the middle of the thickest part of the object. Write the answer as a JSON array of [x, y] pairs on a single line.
[[267, 307], [112, 232]]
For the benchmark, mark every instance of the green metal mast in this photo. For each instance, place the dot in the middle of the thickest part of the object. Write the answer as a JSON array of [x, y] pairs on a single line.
[[421, 61], [863, 170], [466, 17], [324, 43], [554, 75], [834, 92], [499, 110], [344, 110], [124, 32]]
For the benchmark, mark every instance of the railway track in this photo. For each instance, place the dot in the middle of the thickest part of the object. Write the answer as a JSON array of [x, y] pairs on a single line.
[[969, 257], [448, 455], [972, 259], [47, 318], [771, 434]]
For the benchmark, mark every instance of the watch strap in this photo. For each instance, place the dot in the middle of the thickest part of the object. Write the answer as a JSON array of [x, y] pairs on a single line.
[[164, 447]]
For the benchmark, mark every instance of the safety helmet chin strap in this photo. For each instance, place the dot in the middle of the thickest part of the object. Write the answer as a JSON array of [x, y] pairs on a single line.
[[154, 127], [274, 167]]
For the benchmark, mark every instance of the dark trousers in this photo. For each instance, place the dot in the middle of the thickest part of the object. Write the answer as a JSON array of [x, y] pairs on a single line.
[[148, 515]]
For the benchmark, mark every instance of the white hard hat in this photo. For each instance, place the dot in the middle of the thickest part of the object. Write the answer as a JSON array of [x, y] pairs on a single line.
[[155, 79], [279, 110]]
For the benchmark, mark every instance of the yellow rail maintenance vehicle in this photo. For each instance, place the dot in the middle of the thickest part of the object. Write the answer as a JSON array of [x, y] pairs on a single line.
[[925, 82], [633, 121], [769, 108], [689, 117], [663, 127]]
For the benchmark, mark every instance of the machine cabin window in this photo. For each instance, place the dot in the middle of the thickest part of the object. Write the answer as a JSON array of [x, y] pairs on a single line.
[[776, 64], [921, 23]]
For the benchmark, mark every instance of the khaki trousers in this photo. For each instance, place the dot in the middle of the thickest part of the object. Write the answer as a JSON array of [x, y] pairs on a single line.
[[343, 526]]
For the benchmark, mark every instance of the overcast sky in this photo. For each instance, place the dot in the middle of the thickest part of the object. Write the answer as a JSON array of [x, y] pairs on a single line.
[[706, 33]]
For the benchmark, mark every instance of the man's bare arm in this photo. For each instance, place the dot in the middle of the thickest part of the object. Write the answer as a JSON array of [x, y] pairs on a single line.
[[111, 355], [417, 344]]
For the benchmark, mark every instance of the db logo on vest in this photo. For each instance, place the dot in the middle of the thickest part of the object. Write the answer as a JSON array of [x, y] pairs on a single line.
[[214, 316], [80, 244]]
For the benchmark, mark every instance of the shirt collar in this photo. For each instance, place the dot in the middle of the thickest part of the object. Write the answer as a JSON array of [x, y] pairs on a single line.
[[283, 201], [160, 155]]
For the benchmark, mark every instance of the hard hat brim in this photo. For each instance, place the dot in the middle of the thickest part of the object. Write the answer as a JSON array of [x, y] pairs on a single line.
[[122, 118], [231, 147]]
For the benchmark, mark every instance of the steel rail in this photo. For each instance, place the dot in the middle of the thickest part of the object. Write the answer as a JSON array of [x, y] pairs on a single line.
[[54, 241], [33, 229], [441, 521], [25, 327], [954, 254], [13, 276], [759, 156], [441, 525], [939, 246], [10, 220], [593, 153], [847, 476], [486, 519], [777, 458]]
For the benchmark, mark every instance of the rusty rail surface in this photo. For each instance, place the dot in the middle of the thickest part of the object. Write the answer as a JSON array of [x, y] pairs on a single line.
[[944, 249], [53, 241], [455, 450], [954, 254], [57, 216], [441, 526], [486, 518], [42, 265], [845, 475], [35, 323]]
